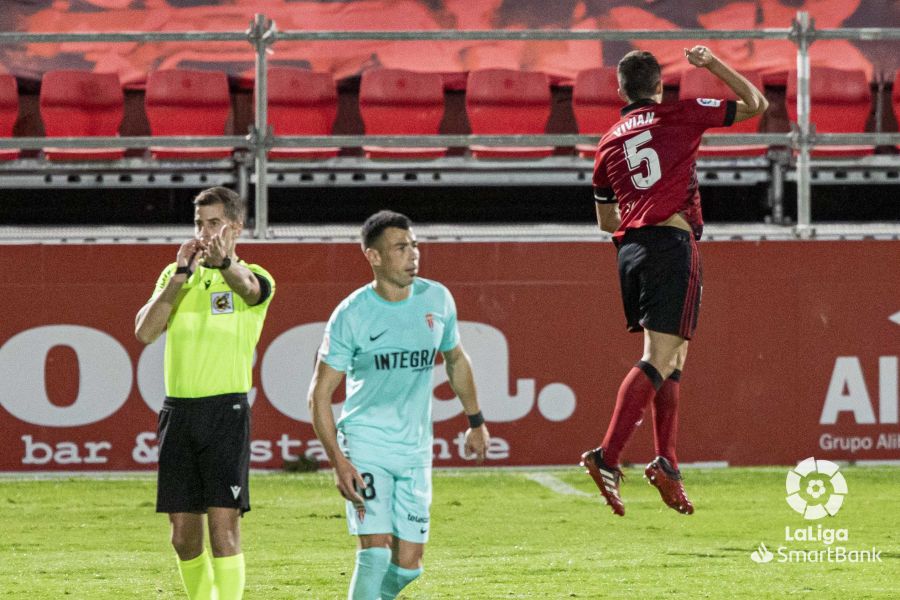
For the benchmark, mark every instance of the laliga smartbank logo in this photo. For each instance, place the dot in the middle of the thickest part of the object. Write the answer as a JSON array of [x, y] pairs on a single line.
[[824, 488], [761, 555], [815, 490]]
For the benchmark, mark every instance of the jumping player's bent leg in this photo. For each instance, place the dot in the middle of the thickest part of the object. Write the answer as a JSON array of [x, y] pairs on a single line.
[[665, 417], [665, 409], [635, 392], [638, 389], [405, 567], [663, 471]]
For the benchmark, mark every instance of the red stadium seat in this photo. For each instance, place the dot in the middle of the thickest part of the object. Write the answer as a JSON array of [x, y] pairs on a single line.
[[508, 102], [184, 102], [839, 102], [9, 112], [596, 104], [700, 83], [301, 103], [399, 102], [82, 104]]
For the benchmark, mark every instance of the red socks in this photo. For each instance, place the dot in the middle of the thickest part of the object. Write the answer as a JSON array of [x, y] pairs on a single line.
[[665, 417], [637, 390]]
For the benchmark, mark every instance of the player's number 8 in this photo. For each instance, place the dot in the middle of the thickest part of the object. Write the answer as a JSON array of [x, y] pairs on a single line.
[[368, 493], [638, 156]]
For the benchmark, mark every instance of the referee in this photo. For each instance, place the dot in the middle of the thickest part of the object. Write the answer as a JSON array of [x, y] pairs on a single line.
[[213, 306]]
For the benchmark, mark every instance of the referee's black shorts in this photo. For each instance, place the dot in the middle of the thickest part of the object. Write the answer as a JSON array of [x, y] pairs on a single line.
[[662, 280], [204, 454]]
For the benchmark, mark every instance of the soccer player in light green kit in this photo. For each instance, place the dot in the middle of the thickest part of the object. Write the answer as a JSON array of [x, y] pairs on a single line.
[[385, 337], [212, 307]]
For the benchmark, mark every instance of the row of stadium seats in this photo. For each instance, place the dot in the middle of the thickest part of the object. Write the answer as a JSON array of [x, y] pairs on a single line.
[[398, 102]]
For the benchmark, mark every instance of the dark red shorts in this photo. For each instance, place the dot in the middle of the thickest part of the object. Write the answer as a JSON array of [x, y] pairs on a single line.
[[662, 280]]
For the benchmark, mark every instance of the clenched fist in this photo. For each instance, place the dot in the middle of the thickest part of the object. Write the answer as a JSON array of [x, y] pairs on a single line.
[[699, 56]]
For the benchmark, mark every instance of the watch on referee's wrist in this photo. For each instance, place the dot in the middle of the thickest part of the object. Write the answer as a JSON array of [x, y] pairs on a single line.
[[226, 262], [186, 270]]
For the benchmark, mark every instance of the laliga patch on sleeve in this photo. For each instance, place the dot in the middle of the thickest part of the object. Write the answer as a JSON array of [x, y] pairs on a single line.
[[709, 102], [222, 303]]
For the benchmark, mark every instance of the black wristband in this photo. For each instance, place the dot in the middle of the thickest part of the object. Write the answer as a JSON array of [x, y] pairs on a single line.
[[183, 271], [476, 420], [226, 262]]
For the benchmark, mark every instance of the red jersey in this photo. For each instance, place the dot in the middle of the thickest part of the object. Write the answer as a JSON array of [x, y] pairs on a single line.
[[647, 160]]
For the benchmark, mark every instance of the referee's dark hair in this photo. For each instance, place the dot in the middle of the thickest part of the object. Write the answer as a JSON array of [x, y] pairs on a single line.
[[377, 223], [639, 74], [233, 204]]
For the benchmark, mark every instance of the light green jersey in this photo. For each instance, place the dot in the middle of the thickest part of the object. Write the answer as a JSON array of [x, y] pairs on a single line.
[[211, 334], [387, 350]]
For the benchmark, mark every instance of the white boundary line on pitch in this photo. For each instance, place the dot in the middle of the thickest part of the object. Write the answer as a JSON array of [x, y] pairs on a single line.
[[555, 484]]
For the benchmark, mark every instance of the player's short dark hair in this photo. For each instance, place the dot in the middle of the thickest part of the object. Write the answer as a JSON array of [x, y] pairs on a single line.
[[639, 74], [376, 224], [234, 205]]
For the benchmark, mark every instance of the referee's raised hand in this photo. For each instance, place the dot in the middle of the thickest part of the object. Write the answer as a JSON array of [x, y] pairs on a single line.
[[220, 246], [189, 254]]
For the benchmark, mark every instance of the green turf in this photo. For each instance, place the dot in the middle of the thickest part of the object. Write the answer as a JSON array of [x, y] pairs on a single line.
[[495, 534]]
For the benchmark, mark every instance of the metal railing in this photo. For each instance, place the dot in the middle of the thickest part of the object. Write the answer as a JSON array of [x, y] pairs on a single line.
[[263, 33]]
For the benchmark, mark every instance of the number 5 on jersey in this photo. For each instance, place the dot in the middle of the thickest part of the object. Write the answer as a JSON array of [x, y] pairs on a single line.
[[642, 158]]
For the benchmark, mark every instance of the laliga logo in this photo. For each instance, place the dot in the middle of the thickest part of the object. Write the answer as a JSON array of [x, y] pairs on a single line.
[[808, 487], [761, 554]]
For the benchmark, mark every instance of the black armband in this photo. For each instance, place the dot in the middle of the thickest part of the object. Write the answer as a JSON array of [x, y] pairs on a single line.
[[730, 112], [476, 420], [265, 288], [604, 195]]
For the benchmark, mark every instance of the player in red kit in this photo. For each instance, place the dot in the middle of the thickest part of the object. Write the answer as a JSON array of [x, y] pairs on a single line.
[[645, 189]]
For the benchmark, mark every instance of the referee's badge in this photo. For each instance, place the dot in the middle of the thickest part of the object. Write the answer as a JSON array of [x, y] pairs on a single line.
[[222, 303]]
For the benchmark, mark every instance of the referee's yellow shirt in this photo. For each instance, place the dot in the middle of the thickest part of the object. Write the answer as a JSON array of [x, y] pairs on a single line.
[[212, 334]]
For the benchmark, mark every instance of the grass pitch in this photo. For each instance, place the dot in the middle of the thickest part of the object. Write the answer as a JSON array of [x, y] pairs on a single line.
[[495, 534]]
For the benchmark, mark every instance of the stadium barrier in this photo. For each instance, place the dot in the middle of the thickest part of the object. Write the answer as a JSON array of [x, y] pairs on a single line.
[[263, 34]]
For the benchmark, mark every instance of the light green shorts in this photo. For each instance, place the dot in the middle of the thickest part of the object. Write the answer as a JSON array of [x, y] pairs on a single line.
[[397, 502]]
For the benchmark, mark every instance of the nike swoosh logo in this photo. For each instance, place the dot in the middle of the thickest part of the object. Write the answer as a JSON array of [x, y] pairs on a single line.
[[423, 531], [372, 338]]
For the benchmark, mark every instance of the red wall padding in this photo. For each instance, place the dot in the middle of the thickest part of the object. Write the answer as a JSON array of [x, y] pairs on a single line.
[[792, 336]]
